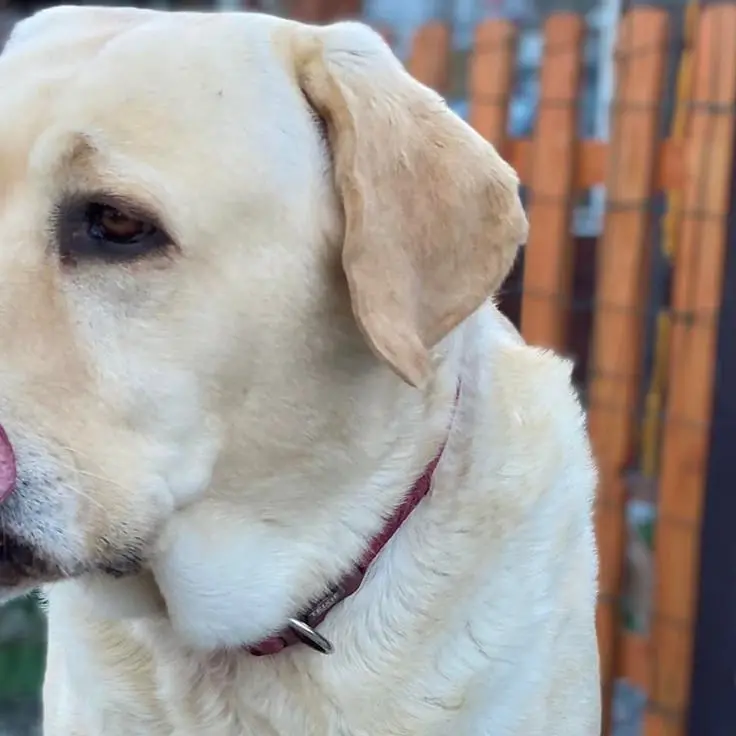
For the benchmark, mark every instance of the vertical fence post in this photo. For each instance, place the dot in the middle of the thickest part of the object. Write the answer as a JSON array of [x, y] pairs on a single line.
[[492, 79], [310, 11], [323, 11], [429, 59], [696, 298], [623, 269], [548, 254]]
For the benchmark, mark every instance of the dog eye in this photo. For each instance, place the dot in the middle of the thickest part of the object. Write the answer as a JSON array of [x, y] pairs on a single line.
[[102, 230], [109, 225], [117, 234]]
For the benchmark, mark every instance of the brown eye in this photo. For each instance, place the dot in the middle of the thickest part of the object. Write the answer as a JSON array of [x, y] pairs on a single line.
[[101, 229], [106, 223]]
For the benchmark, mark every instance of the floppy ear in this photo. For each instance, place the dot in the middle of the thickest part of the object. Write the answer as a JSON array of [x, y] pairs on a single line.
[[433, 218]]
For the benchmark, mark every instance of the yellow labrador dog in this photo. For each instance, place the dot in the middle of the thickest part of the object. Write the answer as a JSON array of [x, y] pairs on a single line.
[[276, 459]]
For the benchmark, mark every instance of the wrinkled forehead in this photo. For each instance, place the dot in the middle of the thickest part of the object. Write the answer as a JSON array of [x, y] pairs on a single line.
[[163, 93]]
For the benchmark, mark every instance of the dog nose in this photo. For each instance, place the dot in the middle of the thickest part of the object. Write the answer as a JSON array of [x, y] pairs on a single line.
[[7, 465]]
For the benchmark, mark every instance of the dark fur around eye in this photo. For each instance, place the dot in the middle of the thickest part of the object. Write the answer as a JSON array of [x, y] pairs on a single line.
[[107, 229]]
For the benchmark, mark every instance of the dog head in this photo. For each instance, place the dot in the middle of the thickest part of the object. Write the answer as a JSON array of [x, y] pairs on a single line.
[[218, 234]]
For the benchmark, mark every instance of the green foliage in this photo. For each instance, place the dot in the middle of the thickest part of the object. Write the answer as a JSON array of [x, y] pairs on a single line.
[[22, 649]]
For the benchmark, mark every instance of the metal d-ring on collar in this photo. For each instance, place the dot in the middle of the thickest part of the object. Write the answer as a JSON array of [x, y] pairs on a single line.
[[309, 636]]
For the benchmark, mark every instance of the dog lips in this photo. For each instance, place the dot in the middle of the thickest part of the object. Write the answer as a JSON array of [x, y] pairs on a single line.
[[7, 465]]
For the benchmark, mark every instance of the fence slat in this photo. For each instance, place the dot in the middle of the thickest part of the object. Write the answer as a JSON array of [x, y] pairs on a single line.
[[696, 297], [491, 78], [429, 60], [663, 724], [623, 266], [548, 253], [635, 663]]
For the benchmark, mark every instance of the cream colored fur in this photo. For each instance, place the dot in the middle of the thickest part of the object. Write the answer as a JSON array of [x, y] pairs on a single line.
[[242, 412]]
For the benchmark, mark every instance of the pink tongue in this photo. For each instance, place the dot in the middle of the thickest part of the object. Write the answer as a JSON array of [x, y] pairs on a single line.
[[7, 466]]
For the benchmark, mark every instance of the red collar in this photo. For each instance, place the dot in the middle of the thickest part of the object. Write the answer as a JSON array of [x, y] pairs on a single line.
[[302, 629]]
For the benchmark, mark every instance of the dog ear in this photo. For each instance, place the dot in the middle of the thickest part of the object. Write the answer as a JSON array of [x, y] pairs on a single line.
[[433, 217]]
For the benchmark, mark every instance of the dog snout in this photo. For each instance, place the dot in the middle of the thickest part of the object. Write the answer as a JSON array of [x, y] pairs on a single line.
[[7, 465]]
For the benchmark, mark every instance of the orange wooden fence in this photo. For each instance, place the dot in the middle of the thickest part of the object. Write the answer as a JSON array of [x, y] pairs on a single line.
[[624, 254], [635, 165]]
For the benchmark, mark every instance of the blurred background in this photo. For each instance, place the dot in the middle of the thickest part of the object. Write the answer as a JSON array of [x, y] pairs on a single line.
[[619, 117]]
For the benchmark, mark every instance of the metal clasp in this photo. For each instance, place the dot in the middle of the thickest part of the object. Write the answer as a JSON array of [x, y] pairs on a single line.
[[307, 635]]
